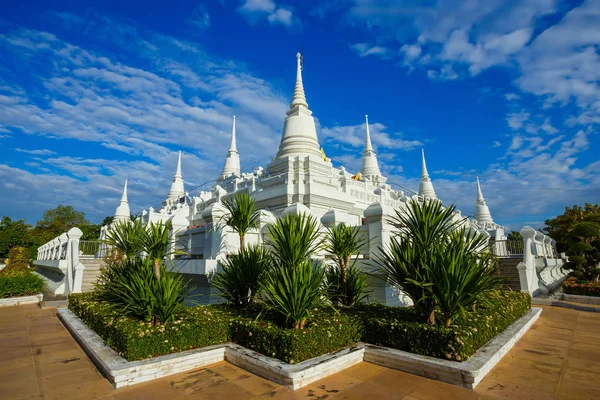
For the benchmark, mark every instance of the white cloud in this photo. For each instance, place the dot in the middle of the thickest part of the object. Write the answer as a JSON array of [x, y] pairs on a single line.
[[364, 50], [37, 152], [200, 18], [256, 10]]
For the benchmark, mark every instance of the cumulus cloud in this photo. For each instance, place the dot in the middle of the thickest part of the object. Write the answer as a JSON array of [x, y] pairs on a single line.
[[364, 50], [256, 10]]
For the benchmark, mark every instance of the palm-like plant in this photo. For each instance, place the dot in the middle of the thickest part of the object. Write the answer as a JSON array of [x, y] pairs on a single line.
[[462, 272], [239, 280], [436, 263], [343, 242], [355, 289], [125, 238], [294, 239], [156, 244], [293, 287], [241, 215]]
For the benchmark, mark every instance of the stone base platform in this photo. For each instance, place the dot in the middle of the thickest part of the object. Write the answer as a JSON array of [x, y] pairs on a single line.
[[467, 374]]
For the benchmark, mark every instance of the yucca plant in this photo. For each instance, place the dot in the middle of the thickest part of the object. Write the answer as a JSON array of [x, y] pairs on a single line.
[[353, 292], [125, 237], [241, 215], [436, 263], [156, 244], [343, 243], [293, 292], [293, 287], [239, 280], [462, 272], [131, 287], [293, 239]]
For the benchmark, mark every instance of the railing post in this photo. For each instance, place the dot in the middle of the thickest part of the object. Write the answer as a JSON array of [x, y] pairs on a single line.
[[540, 250], [74, 267], [548, 246], [527, 273]]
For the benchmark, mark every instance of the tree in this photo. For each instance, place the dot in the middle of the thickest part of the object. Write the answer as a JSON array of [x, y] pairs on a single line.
[[13, 233], [515, 235], [107, 220], [584, 251], [241, 215], [57, 221], [343, 242], [559, 228]]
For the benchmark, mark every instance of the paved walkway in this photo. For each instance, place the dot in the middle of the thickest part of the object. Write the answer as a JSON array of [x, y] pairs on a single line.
[[559, 358]]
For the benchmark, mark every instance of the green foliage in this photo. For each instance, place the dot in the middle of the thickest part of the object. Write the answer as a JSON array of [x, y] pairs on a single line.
[[559, 228], [515, 235], [125, 237], [13, 233], [20, 285], [294, 287], [355, 291], [241, 215], [131, 288], [329, 332], [400, 328], [343, 243], [581, 288], [57, 221], [584, 250], [239, 280], [135, 340], [293, 239], [293, 292], [156, 244], [17, 263], [436, 263]]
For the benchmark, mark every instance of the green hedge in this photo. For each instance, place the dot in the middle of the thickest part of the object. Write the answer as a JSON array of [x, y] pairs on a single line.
[[332, 332], [329, 331], [397, 327], [21, 285], [135, 340], [581, 288]]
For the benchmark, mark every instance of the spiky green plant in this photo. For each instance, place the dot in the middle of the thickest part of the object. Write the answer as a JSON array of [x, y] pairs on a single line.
[[131, 287], [156, 244], [241, 215], [462, 272], [293, 292], [344, 242], [353, 292], [436, 263], [239, 280], [293, 287], [125, 237], [294, 239]]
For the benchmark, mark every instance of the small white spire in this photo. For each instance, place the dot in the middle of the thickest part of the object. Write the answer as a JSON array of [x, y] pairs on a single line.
[[177, 187], [425, 185], [123, 213], [482, 212], [370, 166], [299, 98], [232, 161]]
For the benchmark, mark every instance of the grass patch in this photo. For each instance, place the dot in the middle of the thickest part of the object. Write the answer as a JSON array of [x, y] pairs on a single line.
[[27, 284]]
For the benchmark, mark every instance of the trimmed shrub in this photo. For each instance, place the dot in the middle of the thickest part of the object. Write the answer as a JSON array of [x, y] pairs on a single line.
[[135, 340], [332, 332], [17, 263], [327, 330], [27, 284], [581, 288], [401, 328]]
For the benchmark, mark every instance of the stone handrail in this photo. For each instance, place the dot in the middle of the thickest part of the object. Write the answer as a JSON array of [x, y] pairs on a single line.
[[541, 269], [64, 249]]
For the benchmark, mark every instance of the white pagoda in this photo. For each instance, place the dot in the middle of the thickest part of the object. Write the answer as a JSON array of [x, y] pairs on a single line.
[[300, 179]]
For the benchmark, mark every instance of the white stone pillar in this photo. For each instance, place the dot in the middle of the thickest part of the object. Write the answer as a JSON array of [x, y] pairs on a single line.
[[74, 267], [527, 273]]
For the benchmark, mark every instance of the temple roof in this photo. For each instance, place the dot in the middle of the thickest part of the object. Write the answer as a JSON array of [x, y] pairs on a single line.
[[123, 213], [482, 211], [370, 166], [425, 184], [177, 188], [232, 161]]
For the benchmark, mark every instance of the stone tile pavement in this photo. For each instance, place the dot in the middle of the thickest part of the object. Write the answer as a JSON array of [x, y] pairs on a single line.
[[559, 358]]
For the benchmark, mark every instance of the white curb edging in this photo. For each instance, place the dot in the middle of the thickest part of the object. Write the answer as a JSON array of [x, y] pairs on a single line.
[[576, 298], [294, 376], [19, 301]]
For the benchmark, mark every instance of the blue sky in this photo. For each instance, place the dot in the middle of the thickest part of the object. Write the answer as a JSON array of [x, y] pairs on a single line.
[[507, 90]]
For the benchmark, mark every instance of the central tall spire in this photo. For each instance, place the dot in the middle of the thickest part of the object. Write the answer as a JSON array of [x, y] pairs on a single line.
[[370, 166], [425, 185], [123, 213], [482, 211], [177, 188], [299, 137], [232, 161]]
